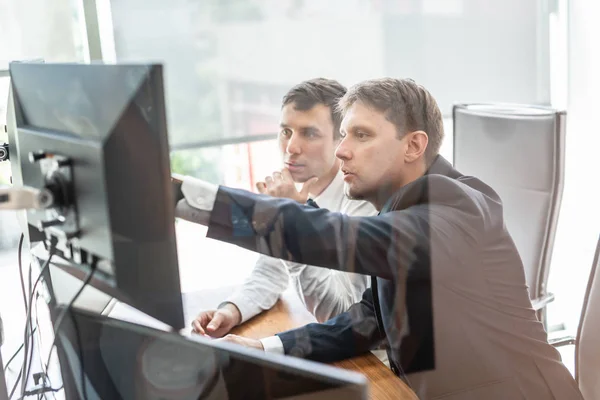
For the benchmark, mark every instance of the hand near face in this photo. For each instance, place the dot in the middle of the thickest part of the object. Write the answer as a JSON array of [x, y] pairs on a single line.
[[281, 184]]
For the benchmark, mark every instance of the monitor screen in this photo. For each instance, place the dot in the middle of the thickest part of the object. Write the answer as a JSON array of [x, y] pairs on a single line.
[[121, 360], [96, 137]]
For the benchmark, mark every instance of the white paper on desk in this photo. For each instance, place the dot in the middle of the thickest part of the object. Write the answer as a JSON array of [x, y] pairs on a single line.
[[127, 313]]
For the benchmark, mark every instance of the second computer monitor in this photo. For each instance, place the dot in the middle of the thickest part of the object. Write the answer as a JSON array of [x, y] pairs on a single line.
[[96, 137]]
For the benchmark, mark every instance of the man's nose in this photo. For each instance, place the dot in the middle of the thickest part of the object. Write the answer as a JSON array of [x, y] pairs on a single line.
[[343, 151], [293, 145]]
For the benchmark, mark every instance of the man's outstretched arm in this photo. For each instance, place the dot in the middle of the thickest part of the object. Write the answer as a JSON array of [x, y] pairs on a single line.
[[383, 246], [287, 230], [280, 228]]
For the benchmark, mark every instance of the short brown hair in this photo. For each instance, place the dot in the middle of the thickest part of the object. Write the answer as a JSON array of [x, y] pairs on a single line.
[[308, 94], [407, 105]]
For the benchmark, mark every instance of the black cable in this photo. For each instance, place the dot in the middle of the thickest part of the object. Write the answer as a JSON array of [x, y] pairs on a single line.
[[20, 262], [40, 340], [81, 363], [37, 324], [32, 339], [21, 271], [42, 271], [26, 340], [16, 384], [40, 391], [59, 321], [17, 352], [21, 239], [64, 312], [25, 304], [32, 332]]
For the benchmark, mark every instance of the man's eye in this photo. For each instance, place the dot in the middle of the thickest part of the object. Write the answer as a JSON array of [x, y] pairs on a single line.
[[286, 133], [361, 135]]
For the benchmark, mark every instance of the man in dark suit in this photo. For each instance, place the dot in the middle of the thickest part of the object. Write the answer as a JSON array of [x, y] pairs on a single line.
[[448, 295]]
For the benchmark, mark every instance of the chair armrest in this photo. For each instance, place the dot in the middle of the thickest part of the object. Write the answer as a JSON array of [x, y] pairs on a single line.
[[564, 341], [542, 301]]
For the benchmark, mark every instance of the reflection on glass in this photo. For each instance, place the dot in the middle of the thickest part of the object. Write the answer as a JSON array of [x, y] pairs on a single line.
[[228, 63]]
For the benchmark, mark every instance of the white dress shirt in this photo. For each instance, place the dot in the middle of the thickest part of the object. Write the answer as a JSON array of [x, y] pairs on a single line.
[[325, 292]]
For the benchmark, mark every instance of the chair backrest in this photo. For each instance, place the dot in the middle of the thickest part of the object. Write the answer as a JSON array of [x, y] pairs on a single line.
[[518, 151], [587, 353]]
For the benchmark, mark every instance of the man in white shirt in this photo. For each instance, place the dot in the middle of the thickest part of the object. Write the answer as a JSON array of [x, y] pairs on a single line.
[[309, 135]]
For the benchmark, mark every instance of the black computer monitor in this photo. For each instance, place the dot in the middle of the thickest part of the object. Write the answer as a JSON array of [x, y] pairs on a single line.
[[119, 360], [96, 137]]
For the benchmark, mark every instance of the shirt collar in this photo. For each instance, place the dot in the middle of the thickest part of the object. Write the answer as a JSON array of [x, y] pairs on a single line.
[[332, 192]]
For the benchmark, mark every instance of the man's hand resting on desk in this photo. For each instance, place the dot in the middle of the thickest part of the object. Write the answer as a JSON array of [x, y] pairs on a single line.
[[217, 323], [247, 342]]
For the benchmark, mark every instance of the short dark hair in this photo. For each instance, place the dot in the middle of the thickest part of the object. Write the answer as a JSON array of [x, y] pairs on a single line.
[[406, 104], [308, 94]]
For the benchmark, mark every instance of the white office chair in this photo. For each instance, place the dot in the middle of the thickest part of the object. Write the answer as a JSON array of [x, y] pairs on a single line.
[[587, 342], [518, 151]]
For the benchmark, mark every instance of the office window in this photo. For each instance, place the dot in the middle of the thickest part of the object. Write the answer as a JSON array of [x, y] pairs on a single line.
[[239, 165], [227, 63], [34, 30], [40, 29]]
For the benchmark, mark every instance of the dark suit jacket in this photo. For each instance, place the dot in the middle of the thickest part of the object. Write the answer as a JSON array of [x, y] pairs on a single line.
[[448, 296]]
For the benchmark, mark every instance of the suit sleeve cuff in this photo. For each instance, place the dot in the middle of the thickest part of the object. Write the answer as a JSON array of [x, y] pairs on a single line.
[[272, 344], [198, 193]]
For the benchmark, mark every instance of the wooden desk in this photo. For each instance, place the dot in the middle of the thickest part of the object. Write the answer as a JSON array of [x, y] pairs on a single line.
[[290, 313]]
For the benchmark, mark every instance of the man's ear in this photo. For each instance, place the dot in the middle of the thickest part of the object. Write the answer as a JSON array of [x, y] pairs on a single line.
[[416, 144]]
